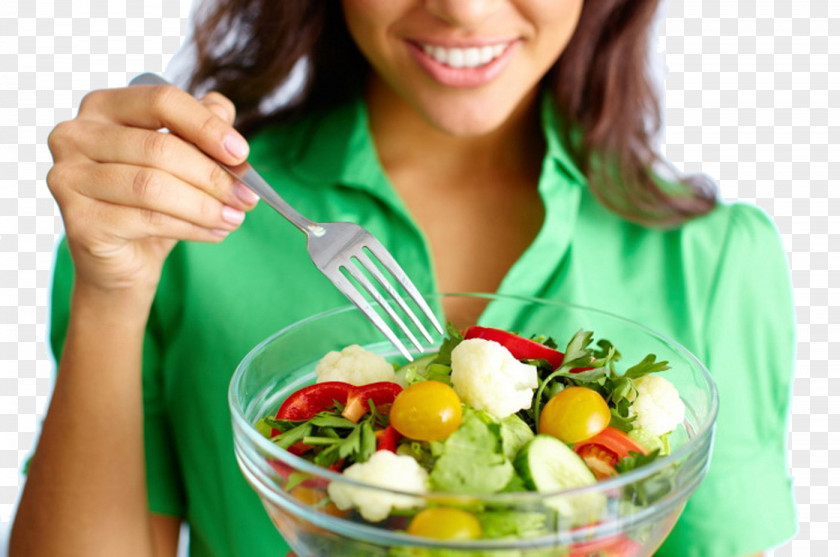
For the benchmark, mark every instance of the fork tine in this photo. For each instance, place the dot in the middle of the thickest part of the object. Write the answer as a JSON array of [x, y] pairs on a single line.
[[366, 262], [344, 285], [379, 251], [363, 280]]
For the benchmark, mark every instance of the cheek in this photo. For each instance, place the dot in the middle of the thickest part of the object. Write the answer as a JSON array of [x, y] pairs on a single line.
[[555, 21], [368, 22]]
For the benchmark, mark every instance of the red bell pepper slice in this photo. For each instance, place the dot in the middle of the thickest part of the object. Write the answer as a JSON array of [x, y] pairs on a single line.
[[306, 403], [520, 347], [611, 546], [387, 439], [382, 392]]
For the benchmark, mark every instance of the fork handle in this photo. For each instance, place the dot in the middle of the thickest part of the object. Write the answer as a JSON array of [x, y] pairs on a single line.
[[247, 175]]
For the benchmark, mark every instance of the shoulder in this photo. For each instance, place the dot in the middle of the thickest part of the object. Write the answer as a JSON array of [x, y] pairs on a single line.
[[732, 229]]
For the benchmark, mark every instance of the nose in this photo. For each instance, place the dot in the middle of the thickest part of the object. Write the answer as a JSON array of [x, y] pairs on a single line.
[[462, 13]]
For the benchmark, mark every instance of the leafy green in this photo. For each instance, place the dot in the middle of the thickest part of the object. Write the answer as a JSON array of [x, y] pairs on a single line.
[[618, 421], [648, 440], [292, 436], [471, 460], [421, 451], [517, 524], [453, 338], [577, 355], [326, 419], [647, 365], [636, 460], [545, 341], [424, 369], [295, 479], [515, 434], [269, 423]]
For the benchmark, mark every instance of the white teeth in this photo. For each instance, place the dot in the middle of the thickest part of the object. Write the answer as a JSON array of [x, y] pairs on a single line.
[[471, 57]]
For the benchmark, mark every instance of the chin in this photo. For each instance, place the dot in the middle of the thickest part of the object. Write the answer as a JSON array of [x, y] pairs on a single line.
[[466, 120]]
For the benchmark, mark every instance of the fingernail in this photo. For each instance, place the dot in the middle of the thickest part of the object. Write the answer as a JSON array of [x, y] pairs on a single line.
[[233, 216], [246, 194], [236, 145], [220, 232]]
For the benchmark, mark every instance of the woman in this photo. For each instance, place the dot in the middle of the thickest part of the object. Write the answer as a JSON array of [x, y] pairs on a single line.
[[492, 145]]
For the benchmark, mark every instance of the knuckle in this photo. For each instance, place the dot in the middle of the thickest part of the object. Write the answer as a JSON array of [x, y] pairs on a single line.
[[91, 101], [146, 184], [215, 97], [210, 126], [220, 180], [209, 211], [161, 96], [61, 136], [58, 178], [151, 218], [157, 145]]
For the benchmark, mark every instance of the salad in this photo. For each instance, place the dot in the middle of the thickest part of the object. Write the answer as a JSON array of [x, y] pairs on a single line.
[[491, 412]]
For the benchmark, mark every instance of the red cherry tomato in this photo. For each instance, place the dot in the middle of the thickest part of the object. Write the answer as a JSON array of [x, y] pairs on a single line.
[[603, 451]]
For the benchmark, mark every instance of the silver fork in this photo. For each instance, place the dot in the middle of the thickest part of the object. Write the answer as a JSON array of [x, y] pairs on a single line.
[[338, 247]]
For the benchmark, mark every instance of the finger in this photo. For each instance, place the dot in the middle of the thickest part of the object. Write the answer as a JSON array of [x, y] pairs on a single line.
[[165, 106], [107, 143], [222, 106], [133, 223], [155, 190]]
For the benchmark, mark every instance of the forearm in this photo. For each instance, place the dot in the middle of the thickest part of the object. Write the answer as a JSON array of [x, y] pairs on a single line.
[[86, 492]]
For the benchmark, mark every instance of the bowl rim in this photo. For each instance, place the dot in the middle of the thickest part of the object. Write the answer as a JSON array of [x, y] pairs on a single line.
[[704, 430]]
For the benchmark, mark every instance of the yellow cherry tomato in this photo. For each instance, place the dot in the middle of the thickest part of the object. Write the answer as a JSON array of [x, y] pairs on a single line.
[[445, 523], [426, 411], [575, 414], [315, 498]]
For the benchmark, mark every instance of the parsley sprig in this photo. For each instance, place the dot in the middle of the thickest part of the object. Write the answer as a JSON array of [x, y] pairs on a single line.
[[616, 388]]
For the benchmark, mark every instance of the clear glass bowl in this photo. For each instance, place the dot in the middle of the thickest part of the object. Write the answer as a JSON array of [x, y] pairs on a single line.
[[630, 514]]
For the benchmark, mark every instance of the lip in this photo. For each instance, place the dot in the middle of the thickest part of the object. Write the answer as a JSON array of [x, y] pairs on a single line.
[[462, 78]]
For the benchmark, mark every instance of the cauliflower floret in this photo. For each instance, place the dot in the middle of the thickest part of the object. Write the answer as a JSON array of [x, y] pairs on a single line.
[[354, 365], [383, 469], [487, 377], [657, 407]]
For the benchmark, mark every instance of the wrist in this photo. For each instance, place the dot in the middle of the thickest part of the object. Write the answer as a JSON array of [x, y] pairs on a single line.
[[119, 307]]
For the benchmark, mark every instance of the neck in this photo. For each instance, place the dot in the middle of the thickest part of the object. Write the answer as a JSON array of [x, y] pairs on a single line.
[[405, 141]]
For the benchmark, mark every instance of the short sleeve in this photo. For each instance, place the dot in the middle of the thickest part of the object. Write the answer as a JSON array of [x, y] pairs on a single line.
[[165, 491], [745, 505]]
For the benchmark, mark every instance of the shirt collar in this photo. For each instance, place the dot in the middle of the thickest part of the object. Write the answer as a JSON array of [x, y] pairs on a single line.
[[337, 148], [553, 129]]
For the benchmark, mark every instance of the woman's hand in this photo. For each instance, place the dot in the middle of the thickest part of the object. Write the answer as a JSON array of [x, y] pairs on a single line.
[[128, 192]]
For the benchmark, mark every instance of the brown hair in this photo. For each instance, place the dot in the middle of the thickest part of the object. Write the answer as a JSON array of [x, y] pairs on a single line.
[[602, 85]]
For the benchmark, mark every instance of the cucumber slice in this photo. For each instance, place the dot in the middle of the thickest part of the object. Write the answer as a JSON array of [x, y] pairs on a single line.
[[548, 465]]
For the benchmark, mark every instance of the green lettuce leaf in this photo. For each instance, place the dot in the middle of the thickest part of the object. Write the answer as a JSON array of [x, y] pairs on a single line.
[[471, 460]]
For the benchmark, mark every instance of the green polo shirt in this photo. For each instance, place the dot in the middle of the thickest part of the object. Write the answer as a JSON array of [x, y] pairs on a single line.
[[719, 285]]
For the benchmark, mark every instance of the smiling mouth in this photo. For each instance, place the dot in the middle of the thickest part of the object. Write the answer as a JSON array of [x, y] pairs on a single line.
[[469, 57]]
